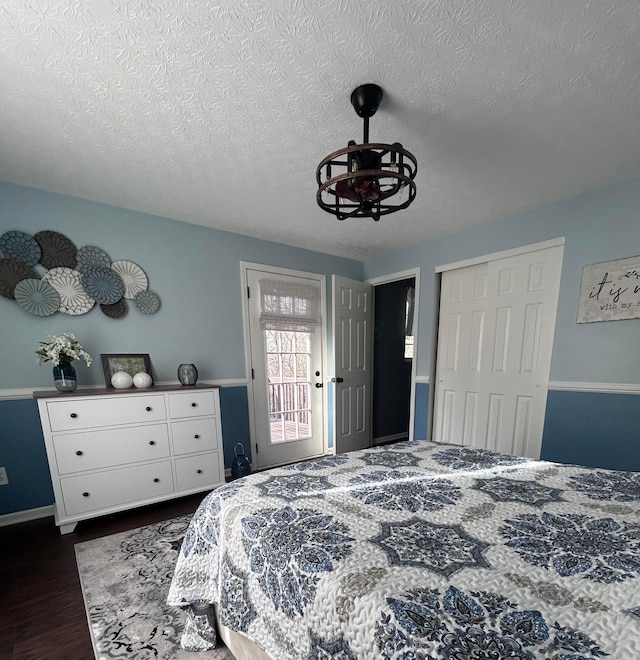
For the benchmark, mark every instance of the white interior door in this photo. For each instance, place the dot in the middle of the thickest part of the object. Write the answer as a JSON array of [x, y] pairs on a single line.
[[495, 340], [352, 342], [287, 383]]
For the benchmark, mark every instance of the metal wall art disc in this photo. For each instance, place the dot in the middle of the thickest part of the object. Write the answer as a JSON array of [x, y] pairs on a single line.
[[75, 279], [147, 302], [57, 250], [115, 311], [21, 247], [12, 272], [132, 276], [37, 297], [74, 300], [103, 285], [90, 257]]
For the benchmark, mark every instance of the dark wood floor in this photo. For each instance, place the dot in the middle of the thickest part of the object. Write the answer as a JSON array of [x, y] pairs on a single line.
[[42, 613]]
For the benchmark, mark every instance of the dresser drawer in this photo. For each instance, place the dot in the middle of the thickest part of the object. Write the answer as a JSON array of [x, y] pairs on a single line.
[[191, 404], [76, 452], [198, 471], [101, 490], [91, 413], [195, 435]]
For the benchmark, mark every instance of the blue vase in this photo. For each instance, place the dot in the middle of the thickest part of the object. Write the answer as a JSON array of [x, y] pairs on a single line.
[[64, 377]]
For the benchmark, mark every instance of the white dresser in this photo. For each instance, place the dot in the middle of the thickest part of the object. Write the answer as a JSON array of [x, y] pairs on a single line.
[[111, 450]]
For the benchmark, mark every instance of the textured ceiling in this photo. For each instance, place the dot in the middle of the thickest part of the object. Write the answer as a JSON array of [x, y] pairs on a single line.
[[217, 113]]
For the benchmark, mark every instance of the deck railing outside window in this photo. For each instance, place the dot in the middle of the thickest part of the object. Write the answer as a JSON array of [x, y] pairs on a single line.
[[288, 368]]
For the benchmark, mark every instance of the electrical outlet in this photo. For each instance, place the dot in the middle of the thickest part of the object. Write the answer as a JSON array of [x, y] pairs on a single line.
[[4, 480]]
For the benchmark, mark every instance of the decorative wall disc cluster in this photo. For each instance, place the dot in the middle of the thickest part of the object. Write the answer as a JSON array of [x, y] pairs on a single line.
[[76, 279]]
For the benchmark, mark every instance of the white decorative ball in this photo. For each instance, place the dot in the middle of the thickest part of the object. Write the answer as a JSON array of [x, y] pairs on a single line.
[[121, 380], [142, 380]]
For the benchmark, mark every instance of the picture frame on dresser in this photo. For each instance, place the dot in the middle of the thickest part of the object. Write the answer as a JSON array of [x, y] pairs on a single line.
[[131, 363]]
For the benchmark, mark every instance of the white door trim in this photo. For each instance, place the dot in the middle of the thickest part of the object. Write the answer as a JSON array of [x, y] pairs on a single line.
[[394, 277], [322, 280], [504, 254]]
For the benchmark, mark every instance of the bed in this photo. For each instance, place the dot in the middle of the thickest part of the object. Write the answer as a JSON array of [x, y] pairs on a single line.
[[417, 550]]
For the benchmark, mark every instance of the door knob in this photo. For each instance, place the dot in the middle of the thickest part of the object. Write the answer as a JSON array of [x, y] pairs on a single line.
[[318, 385], [337, 380]]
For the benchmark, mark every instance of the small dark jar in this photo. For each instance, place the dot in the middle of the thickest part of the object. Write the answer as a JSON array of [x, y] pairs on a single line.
[[187, 374]]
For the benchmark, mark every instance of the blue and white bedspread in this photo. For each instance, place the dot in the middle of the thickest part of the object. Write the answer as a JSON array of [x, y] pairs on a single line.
[[419, 550]]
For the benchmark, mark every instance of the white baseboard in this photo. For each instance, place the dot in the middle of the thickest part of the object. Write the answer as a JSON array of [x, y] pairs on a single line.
[[26, 515]]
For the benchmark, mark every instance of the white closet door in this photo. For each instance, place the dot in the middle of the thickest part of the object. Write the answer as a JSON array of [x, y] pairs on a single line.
[[495, 341]]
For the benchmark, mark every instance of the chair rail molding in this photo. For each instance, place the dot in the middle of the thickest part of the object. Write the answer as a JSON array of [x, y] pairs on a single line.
[[603, 388]]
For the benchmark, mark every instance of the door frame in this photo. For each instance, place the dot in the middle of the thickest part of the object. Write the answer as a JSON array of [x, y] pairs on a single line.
[[289, 272], [473, 261], [394, 277]]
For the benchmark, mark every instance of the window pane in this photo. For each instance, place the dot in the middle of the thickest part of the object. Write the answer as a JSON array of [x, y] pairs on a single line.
[[303, 396], [275, 400], [273, 368], [271, 341], [302, 342], [288, 396], [287, 342], [290, 429], [287, 367], [303, 367]]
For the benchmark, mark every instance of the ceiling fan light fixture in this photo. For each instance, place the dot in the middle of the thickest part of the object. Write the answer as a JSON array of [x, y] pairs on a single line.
[[368, 179]]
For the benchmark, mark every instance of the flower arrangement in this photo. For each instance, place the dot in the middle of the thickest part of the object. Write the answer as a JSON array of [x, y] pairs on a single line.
[[59, 350]]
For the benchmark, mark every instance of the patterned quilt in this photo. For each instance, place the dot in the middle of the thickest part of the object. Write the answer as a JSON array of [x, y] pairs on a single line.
[[419, 550]]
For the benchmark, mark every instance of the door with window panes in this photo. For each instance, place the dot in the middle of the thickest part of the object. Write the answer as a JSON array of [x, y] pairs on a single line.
[[285, 325]]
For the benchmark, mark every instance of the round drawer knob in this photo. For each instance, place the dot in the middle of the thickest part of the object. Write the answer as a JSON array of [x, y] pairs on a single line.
[[199, 471], [193, 405], [85, 494], [79, 453], [156, 480], [197, 436], [148, 408], [152, 442], [73, 415]]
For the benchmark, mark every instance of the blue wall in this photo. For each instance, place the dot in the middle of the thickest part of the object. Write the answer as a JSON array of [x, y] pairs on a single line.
[[421, 412], [22, 453], [197, 275], [234, 413], [591, 428], [598, 226]]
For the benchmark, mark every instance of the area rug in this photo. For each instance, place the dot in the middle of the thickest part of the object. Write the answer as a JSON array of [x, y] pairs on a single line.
[[125, 580]]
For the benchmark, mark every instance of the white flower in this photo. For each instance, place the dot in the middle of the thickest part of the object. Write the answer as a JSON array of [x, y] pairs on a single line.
[[62, 349]]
